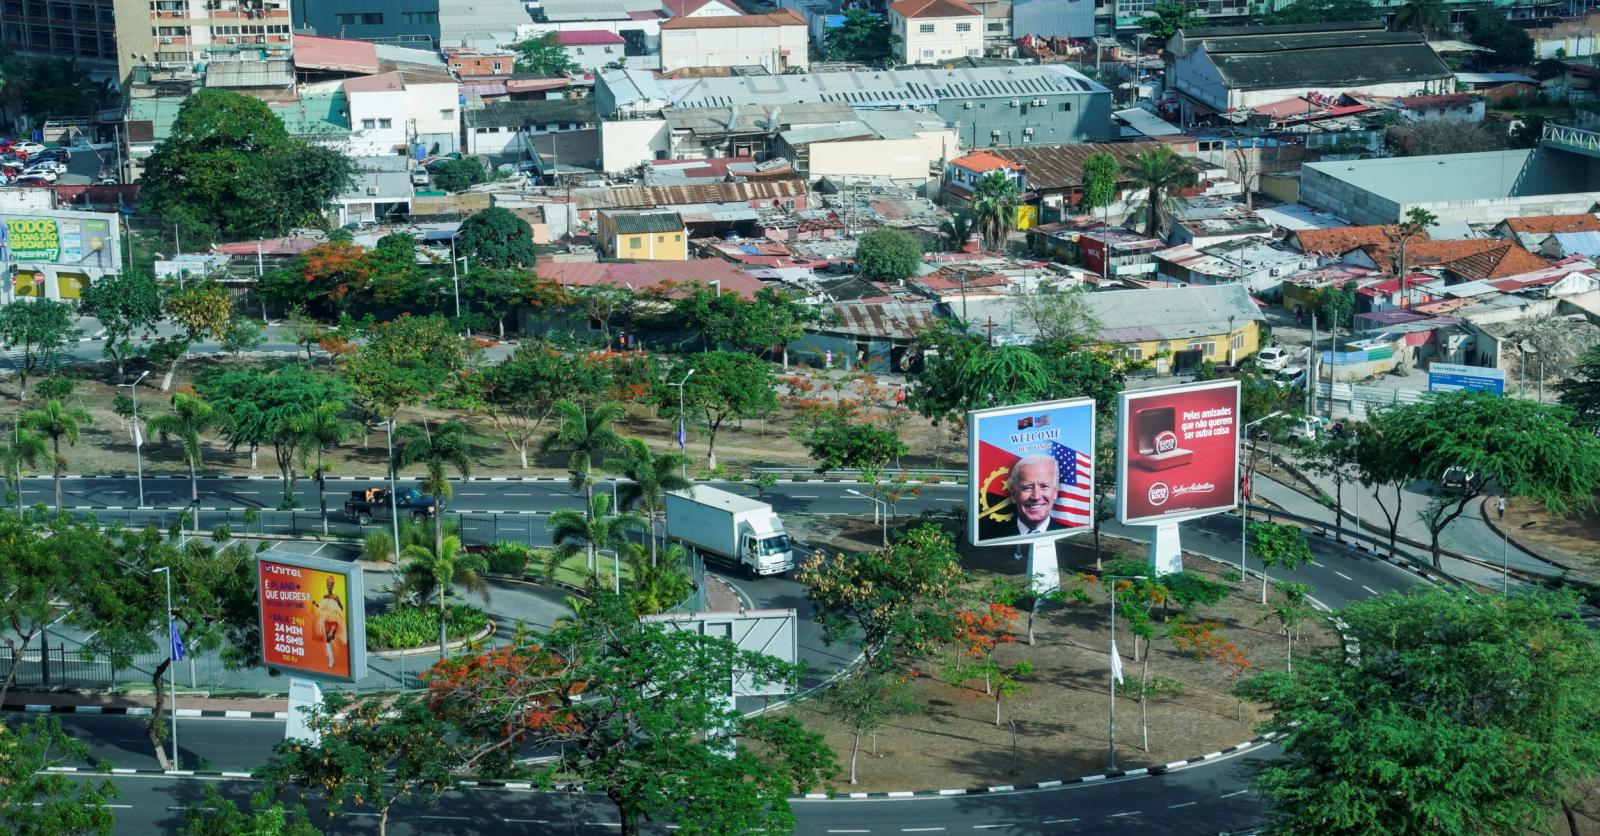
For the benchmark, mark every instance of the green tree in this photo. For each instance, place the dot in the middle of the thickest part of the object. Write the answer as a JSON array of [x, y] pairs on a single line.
[[1060, 316], [460, 174], [1508, 44], [900, 601], [726, 384], [1322, 11], [1101, 175], [189, 419], [587, 433], [1526, 449], [1414, 226], [432, 572], [1334, 457], [128, 305], [1290, 613], [650, 476], [673, 683], [489, 295], [863, 37], [439, 451], [863, 701], [543, 54], [20, 448], [497, 238], [1581, 392], [408, 360], [219, 816], [601, 303], [229, 169], [1335, 304], [994, 207], [1378, 466], [888, 255], [1161, 174], [40, 328], [39, 802], [520, 393], [956, 230], [203, 311], [967, 374], [1164, 19], [1430, 17], [41, 578], [317, 431], [589, 531], [1462, 713], [259, 407], [1529, 131], [371, 751], [771, 318], [57, 423], [1276, 544], [243, 334], [860, 445]]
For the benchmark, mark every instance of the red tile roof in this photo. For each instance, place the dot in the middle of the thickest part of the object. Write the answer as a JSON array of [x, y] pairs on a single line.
[[1551, 224], [985, 161], [1480, 258], [313, 52], [781, 17], [934, 8], [588, 37], [642, 275], [1343, 239], [684, 8]]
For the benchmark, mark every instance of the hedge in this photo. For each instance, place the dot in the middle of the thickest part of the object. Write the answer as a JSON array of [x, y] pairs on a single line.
[[413, 626]]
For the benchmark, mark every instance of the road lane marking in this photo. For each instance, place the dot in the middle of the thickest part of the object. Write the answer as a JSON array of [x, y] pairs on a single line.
[[1058, 821], [526, 821], [803, 496], [1234, 793], [1180, 806], [1316, 564], [1129, 813], [920, 829], [1342, 575]]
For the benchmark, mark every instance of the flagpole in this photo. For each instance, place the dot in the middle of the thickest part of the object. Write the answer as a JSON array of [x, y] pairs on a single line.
[[1116, 662], [172, 681]]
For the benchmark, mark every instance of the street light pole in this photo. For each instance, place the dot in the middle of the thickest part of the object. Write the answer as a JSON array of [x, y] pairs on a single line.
[[883, 518], [172, 677], [138, 437], [394, 507], [1244, 505], [1112, 590], [1505, 542], [683, 442]]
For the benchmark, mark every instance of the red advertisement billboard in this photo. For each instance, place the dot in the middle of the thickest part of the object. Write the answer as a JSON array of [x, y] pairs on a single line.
[[1177, 452], [313, 622]]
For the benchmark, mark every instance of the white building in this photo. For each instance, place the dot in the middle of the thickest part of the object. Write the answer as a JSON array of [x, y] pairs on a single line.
[[776, 41], [700, 8], [931, 31], [497, 130], [377, 114], [591, 48]]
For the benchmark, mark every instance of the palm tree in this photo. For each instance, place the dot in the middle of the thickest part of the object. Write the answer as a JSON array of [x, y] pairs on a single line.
[[57, 422], [994, 204], [319, 430], [190, 416], [589, 434], [26, 447], [432, 573], [444, 449], [649, 477], [955, 231], [657, 587], [1425, 16], [589, 532], [1163, 175]]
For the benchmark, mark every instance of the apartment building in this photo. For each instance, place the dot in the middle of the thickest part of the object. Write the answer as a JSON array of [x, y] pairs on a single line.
[[188, 32], [83, 30]]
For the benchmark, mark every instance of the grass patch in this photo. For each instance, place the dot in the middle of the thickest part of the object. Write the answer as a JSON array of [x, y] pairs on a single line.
[[575, 570], [409, 626]]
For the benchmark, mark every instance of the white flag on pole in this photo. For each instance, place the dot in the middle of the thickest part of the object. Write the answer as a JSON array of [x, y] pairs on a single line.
[[1116, 664], [138, 437]]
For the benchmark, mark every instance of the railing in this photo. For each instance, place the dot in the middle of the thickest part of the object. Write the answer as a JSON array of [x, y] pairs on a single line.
[[1575, 137]]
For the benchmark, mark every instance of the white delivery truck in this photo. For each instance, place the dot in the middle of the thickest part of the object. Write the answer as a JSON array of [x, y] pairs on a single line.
[[738, 529]]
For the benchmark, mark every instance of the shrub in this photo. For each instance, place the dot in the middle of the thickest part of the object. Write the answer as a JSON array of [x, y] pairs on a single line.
[[377, 547], [510, 559], [412, 626]]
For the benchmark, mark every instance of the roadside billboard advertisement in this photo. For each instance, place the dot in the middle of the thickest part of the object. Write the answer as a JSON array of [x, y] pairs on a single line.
[[313, 619], [1177, 452], [1030, 472], [82, 240], [1451, 377]]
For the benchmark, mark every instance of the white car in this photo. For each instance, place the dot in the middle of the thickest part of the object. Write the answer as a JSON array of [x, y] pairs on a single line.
[[29, 148], [1290, 377], [45, 165], [34, 178], [1273, 357]]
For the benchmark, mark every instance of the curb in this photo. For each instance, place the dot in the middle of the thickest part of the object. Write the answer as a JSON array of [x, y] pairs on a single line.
[[143, 711]]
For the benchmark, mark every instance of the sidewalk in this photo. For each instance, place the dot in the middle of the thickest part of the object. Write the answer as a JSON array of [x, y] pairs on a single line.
[[70, 703]]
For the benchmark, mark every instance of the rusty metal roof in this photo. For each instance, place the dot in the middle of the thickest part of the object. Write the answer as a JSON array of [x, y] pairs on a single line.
[[887, 320], [629, 197], [1051, 167]]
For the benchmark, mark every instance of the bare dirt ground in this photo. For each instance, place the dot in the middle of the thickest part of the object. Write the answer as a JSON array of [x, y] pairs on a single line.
[[106, 446], [1571, 541], [1061, 712]]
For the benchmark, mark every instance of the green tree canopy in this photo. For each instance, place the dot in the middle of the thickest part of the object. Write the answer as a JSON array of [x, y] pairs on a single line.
[[1323, 11], [458, 174], [888, 255], [39, 802], [1101, 174], [1509, 44], [229, 169], [772, 318], [726, 385], [1163, 20], [1461, 713], [543, 54], [128, 305], [994, 207], [1160, 173], [264, 407], [864, 36], [496, 237], [863, 445], [40, 328], [1581, 391], [408, 360]]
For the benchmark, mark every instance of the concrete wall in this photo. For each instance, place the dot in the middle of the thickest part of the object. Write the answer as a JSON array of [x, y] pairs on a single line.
[[947, 40], [1073, 18], [377, 107], [594, 56], [897, 159], [629, 142], [1087, 118], [777, 48], [435, 110]]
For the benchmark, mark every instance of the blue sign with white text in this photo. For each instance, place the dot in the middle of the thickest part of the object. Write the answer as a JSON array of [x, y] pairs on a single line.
[[1450, 377]]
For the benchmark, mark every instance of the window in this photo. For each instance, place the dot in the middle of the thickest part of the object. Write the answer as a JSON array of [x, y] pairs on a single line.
[[1237, 343], [1131, 352], [421, 17], [963, 27], [927, 53], [447, 113], [1066, 107], [677, 236], [996, 26], [498, 67], [385, 123], [635, 242], [926, 29], [360, 19], [369, 124], [1206, 349]]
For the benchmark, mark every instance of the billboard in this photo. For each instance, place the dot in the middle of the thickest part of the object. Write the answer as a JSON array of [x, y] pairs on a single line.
[[1030, 472], [1450, 377], [81, 240], [313, 617], [1177, 452]]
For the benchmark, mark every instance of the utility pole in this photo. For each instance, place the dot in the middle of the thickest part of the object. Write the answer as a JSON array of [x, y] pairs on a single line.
[[1311, 371]]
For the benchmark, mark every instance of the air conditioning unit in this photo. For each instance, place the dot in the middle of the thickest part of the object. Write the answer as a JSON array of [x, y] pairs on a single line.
[[166, 40], [372, 190], [1016, 103], [1039, 102], [1027, 132], [232, 39], [966, 105], [995, 132]]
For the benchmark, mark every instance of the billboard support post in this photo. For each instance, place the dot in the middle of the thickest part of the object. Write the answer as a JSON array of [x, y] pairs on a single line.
[[1166, 551], [1042, 566], [305, 696]]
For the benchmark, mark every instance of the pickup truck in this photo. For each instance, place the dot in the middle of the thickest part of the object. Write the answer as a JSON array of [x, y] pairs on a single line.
[[364, 506]]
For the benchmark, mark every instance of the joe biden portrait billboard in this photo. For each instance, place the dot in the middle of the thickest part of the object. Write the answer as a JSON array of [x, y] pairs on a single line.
[[1031, 472]]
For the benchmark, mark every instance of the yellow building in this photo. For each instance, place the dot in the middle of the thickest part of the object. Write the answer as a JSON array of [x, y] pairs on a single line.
[[643, 235], [1179, 327]]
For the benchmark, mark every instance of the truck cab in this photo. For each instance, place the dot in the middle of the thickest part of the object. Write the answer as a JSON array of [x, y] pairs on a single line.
[[766, 554]]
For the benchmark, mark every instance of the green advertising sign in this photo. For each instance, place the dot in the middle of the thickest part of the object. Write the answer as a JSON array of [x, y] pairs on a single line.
[[34, 239]]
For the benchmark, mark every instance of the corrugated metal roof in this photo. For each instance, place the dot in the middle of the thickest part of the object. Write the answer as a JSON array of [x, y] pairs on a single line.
[[1054, 167], [888, 320], [881, 87], [626, 197], [1171, 312], [636, 222]]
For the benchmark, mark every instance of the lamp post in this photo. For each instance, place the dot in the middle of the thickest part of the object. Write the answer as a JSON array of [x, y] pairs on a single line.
[[1505, 542], [1116, 668], [1244, 506], [138, 437], [616, 569], [455, 276], [876, 516], [394, 509], [683, 442], [172, 682]]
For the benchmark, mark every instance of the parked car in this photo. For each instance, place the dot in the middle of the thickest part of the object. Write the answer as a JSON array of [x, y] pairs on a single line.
[[1273, 357], [37, 178], [1291, 377], [45, 165], [1306, 427], [107, 181], [29, 148], [58, 154], [1458, 478]]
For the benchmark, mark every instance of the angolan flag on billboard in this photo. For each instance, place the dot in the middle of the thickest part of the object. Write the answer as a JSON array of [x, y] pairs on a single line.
[[1032, 471], [1074, 505]]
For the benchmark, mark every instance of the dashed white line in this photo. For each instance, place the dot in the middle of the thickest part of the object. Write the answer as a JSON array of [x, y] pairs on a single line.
[[1370, 590], [1058, 821], [920, 829], [526, 821], [849, 831], [1234, 793], [1316, 564], [1181, 806], [1342, 575], [990, 826], [1129, 813]]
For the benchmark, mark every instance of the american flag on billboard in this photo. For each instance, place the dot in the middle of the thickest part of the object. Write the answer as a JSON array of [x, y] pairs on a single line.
[[1074, 506]]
